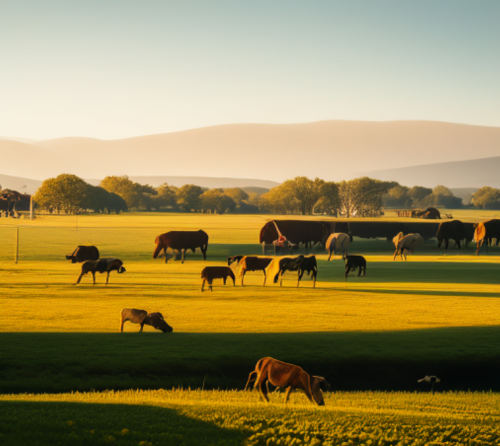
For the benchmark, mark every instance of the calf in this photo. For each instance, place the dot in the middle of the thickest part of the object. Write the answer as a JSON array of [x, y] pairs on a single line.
[[353, 262], [210, 273], [289, 376], [101, 266], [82, 253], [143, 318]]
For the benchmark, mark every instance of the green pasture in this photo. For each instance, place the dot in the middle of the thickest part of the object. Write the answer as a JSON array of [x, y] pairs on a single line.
[[192, 418], [434, 314]]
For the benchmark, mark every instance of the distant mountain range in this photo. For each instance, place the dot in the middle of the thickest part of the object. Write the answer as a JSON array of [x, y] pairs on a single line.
[[332, 150], [454, 174]]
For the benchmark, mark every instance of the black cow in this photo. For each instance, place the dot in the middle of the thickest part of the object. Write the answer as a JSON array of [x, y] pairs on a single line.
[[454, 230], [101, 266], [300, 264], [353, 262], [83, 253]]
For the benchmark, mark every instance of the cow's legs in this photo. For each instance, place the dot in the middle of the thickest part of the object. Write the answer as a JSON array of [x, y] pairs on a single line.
[[250, 379], [234, 281], [79, 278], [314, 275], [204, 251], [93, 276], [243, 277], [347, 269], [265, 277], [107, 277], [287, 395], [262, 388], [210, 282], [330, 256], [299, 276], [203, 283], [224, 279], [165, 254], [121, 325], [183, 253], [142, 326], [360, 268]]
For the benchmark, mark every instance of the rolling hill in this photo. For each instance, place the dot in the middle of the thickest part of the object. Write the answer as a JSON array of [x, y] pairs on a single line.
[[333, 150], [473, 173]]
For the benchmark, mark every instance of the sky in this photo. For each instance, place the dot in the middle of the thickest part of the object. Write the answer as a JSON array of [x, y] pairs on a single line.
[[113, 69]]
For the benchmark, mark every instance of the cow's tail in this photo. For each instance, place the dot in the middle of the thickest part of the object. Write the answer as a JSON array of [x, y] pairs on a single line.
[[159, 247]]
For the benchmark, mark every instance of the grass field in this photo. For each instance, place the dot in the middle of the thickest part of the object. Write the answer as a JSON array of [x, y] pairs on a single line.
[[178, 417], [434, 314]]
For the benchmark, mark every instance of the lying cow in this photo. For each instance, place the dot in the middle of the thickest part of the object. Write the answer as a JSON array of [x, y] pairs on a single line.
[[288, 376], [352, 262], [143, 318], [210, 273], [83, 253], [101, 266]]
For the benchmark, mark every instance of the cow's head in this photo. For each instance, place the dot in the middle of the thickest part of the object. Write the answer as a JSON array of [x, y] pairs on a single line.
[[121, 269], [318, 383], [233, 259], [156, 320], [72, 258]]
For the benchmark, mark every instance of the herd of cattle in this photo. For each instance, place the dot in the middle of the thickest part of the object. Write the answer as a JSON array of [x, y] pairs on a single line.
[[286, 234], [290, 234]]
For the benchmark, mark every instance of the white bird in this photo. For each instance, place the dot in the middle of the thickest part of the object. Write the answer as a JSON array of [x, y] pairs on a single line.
[[430, 379]]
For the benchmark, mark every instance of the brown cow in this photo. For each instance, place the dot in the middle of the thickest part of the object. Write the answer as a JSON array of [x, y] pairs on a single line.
[[210, 273], [142, 317], [101, 266], [287, 376], [181, 241], [487, 230]]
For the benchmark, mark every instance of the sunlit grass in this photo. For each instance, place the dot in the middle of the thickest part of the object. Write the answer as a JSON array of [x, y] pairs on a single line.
[[227, 418]]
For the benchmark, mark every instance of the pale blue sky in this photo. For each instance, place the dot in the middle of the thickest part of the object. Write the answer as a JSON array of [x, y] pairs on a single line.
[[119, 68]]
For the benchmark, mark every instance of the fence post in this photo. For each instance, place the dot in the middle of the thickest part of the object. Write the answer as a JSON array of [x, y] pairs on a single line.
[[17, 244]]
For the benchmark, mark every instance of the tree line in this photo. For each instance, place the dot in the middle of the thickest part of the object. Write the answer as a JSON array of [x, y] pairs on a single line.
[[361, 197]]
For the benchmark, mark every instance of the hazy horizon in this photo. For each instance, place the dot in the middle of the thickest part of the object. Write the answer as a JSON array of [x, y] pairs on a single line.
[[120, 69]]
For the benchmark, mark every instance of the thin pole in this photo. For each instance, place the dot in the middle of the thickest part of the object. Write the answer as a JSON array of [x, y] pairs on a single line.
[[31, 207], [17, 244]]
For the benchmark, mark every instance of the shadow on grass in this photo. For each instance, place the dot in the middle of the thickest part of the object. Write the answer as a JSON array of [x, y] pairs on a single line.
[[464, 358], [49, 423]]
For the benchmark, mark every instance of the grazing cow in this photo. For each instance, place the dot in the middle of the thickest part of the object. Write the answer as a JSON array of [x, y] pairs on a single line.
[[454, 230], [488, 231], [181, 241], [251, 263], [210, 273], [288, 376], [300, 264], [83, 253], [338, 242], [353, 262], [142, 317], [101, 266], [407, 243]]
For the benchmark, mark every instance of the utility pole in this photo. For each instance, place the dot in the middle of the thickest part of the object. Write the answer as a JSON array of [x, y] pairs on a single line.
[[17, 244]]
